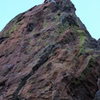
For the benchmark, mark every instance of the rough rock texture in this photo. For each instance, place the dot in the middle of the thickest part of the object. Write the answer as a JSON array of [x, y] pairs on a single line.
[[99, 42], [47, 53]]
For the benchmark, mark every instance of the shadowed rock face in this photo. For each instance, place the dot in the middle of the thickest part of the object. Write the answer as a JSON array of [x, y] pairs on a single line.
[[99, 42], [47, 53]]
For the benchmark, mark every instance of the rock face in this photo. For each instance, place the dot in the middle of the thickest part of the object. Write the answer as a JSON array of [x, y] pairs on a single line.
[[99, 42], [47, 53]]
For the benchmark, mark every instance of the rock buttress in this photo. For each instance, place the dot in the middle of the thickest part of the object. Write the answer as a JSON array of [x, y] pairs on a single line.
[[47, 53]]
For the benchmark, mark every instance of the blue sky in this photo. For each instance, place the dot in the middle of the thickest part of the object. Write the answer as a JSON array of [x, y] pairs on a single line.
[[87, 10]]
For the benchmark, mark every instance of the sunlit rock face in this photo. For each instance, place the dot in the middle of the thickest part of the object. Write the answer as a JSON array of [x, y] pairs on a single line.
[[46, 53]]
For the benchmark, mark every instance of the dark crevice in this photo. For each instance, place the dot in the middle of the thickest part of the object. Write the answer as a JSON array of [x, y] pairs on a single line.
[[22, 83], [36, 35], [20, 18], [2, 83], [2, 39], [43, 58], [2, 55], [30, 27], [71, 21], [45, 55], [45, 7]]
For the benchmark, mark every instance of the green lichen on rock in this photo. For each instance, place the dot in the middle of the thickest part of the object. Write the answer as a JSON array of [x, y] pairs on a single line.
[[10, 31], [82, 37], [81, 34], [62, 28], [57, 16], [89, 50]]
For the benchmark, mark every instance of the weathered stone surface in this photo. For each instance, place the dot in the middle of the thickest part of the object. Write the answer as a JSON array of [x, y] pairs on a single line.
[[47, 53], [97, 96], [99, 42]]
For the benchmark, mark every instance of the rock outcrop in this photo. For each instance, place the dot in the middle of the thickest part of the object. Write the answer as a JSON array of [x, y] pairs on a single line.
[[46, 53], [99, 42]]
